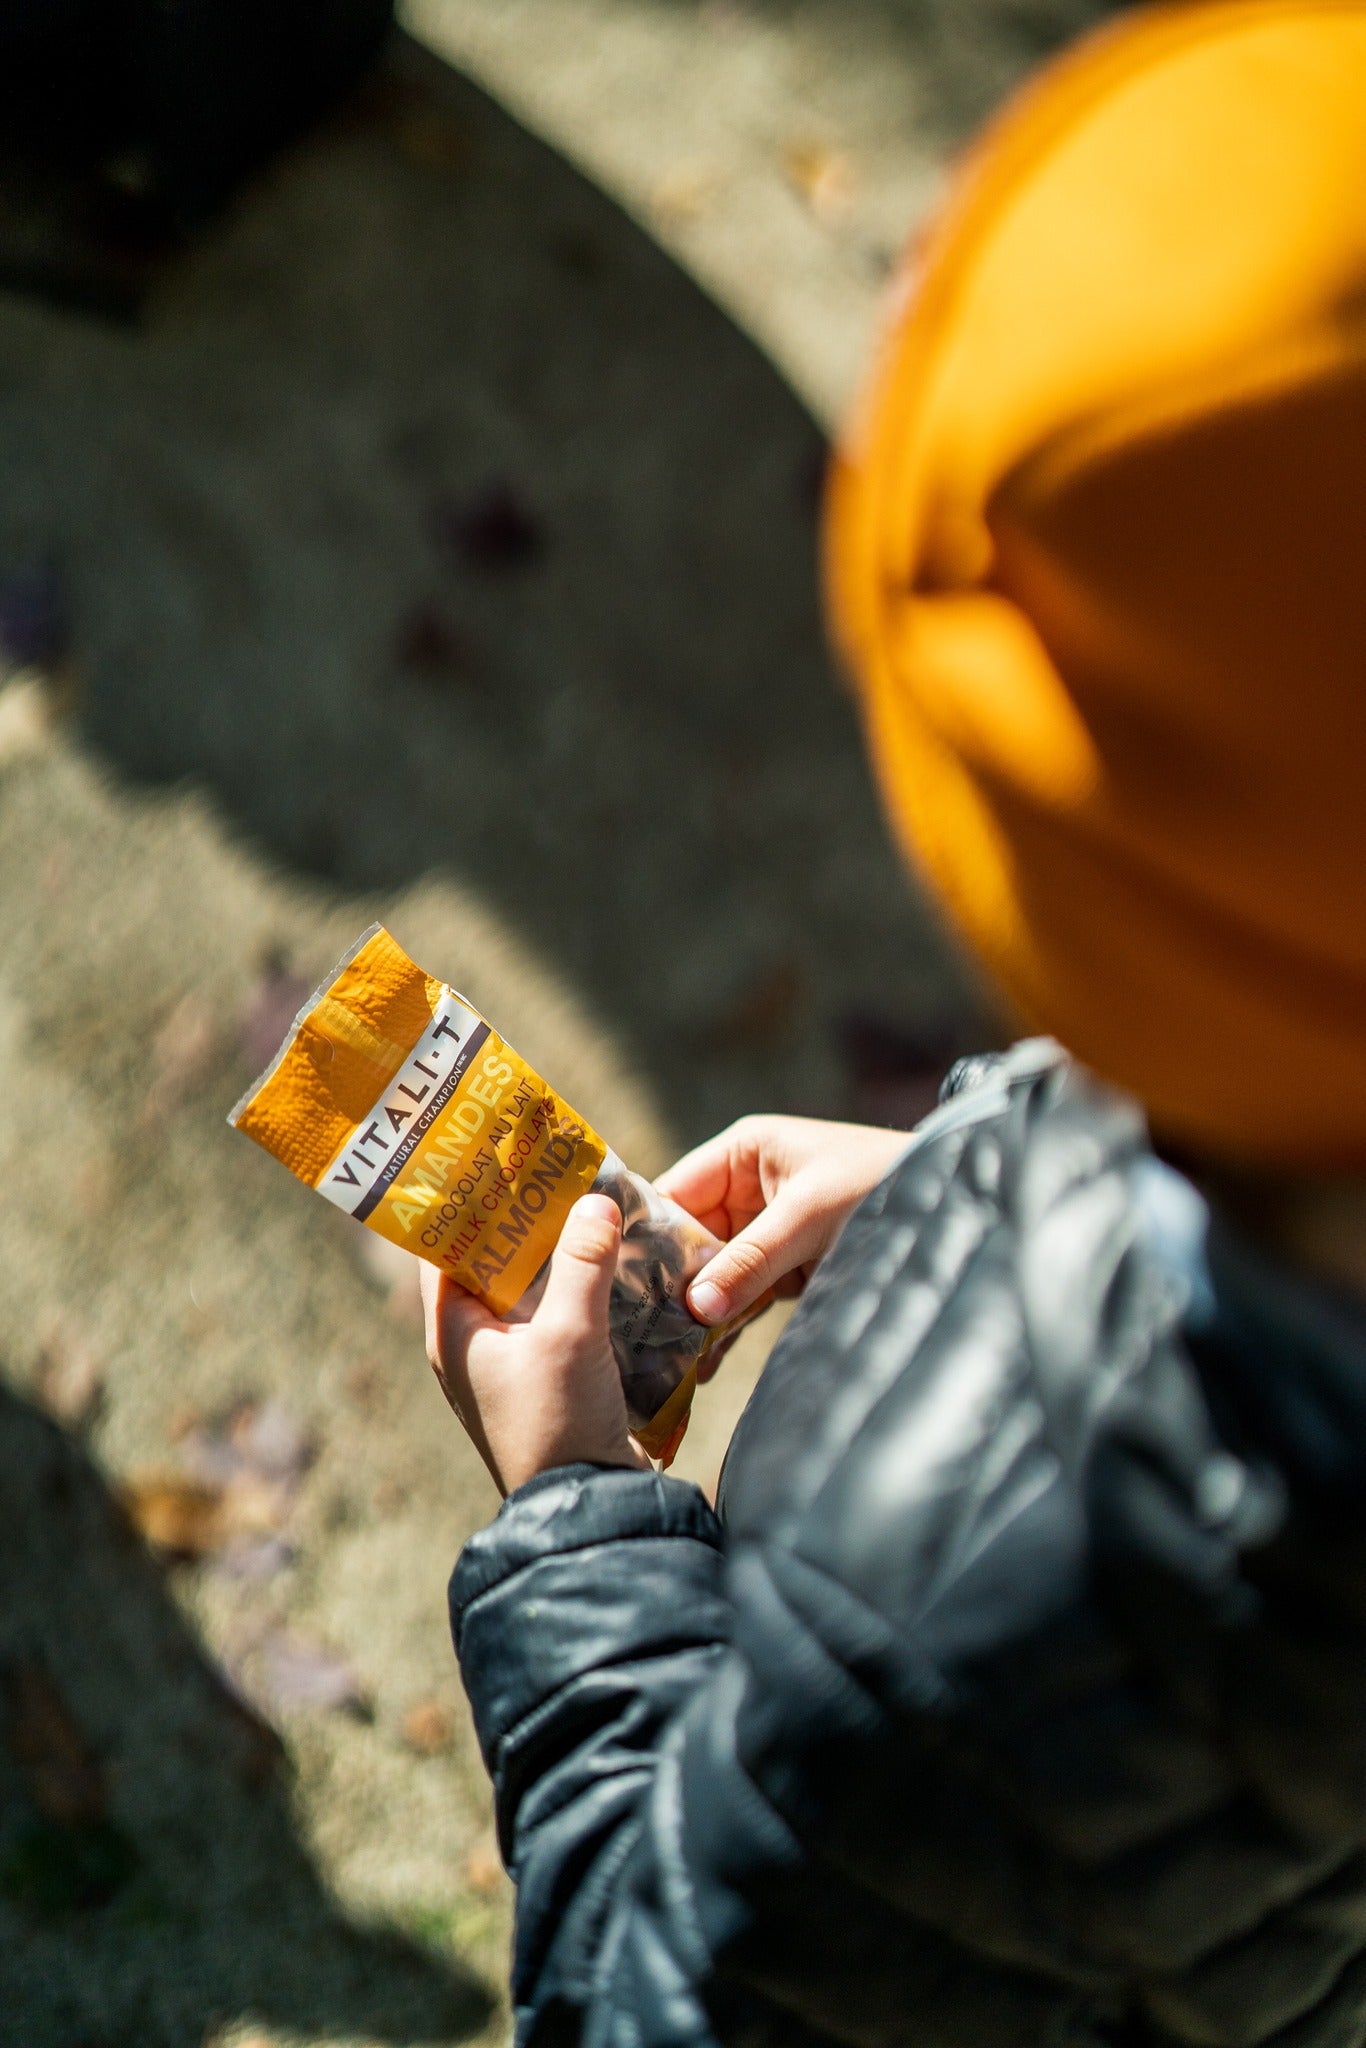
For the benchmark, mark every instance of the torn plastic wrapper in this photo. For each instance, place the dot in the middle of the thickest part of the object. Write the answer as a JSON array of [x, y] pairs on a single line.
[[396, 1100]]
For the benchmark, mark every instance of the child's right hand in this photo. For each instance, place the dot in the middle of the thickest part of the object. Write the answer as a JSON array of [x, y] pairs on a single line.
[[778, 1189]]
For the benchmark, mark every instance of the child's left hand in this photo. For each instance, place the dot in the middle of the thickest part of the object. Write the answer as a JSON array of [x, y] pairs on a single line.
[[547, 1392]]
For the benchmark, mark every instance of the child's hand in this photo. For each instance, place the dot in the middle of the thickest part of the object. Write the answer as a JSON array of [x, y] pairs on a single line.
[[778, 1189], [544, 1393]]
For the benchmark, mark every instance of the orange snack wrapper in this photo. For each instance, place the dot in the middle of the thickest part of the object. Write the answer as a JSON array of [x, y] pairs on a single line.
[[400, 1104]]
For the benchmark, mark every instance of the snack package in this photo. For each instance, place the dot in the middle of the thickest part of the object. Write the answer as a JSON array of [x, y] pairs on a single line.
[[396, 1100]]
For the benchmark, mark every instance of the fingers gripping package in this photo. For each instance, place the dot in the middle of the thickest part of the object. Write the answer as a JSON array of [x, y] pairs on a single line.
[[397, 1101]]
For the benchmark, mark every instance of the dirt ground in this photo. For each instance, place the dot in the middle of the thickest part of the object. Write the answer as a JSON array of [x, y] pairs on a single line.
[[439, 544]]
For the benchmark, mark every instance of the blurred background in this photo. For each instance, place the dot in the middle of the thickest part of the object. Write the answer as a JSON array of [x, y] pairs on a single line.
[[411, 440]]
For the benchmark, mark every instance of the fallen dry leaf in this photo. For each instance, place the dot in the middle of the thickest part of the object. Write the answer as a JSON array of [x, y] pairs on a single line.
[[234, 1493], [295, 1671], [257, 1441], [63, 1778], [429, 1728], [207, 1455], [271, 1439], [69, 1375], [484, 1868], [252, 1506], [255, 1559], [179, 1516], [823, 177]]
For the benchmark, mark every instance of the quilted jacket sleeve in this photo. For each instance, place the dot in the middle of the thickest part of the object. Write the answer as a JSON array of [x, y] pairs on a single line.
[[654, 1718], [703, 1791], [584, 1618]]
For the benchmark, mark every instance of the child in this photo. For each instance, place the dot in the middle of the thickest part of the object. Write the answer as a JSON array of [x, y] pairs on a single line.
[[1016, 1692]]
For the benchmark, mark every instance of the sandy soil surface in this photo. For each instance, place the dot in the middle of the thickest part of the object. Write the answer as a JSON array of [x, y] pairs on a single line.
[[439, 545], [782, 150]]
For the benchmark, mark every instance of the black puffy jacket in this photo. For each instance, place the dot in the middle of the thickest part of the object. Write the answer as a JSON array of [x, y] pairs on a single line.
[[1018, 1695]]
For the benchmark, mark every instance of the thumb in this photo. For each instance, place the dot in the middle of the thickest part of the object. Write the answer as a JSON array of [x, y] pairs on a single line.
[[583, 1268], [782, 1237]]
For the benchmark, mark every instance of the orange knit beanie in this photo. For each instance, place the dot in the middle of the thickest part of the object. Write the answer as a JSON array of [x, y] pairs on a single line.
[[1097, 554]]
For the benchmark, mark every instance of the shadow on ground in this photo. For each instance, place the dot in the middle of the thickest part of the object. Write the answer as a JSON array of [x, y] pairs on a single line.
[[152, 1881], [434, 520]]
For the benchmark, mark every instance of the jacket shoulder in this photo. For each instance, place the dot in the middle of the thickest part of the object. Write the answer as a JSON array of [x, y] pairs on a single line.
[[909, 1345]]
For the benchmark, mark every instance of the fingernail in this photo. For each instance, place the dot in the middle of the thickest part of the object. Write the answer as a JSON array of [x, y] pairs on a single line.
[[597, 1208], [707, 1302]]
